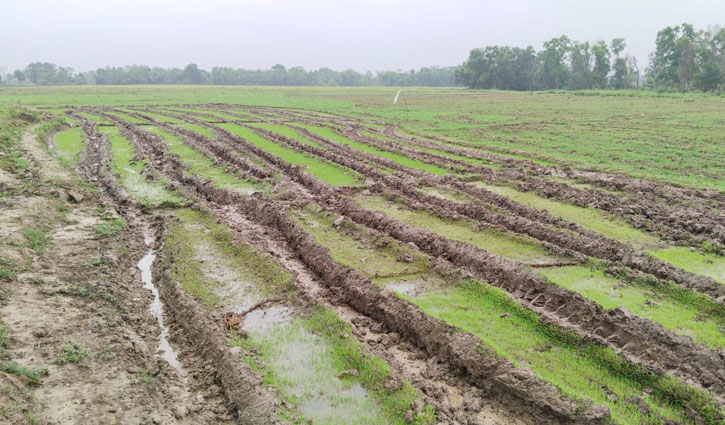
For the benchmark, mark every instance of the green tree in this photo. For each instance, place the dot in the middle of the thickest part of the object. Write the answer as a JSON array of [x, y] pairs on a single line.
[[192, 74], [554, 73]]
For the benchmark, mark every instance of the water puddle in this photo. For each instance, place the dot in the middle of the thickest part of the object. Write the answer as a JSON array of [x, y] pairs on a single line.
[[263, 319], [408, 289], [324, 406], [157, 309]]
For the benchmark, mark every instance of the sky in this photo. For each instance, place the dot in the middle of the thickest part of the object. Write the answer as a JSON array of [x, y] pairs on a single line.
[[369, 35]]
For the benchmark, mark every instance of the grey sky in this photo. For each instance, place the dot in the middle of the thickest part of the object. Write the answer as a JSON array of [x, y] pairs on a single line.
[[364, 35]]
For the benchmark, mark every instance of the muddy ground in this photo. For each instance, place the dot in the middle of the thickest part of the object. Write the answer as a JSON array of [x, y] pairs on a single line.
[[99, 325]]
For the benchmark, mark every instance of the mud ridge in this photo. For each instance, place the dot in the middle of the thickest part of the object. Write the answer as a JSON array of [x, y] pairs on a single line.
[[241, 385], [640, 340], [461, 350]]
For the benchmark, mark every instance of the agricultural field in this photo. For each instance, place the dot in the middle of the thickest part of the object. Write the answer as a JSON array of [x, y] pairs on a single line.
[[319, 255]]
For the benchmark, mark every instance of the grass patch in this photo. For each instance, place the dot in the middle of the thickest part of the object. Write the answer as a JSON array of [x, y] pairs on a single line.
[[400, 159], [129, 170], [32, 375], [492, 240], [7, 270], [589, 218], [326, 171], [710, 265], [649, 303], [195, 230], [198, 128], [37, 239], [68, 144], [71, 352], [363, 250], [577, 368], [222, 177], [92, 292], [110, 228], [13, 121]]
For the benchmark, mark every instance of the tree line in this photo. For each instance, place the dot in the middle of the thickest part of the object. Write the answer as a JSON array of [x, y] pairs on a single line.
[[684, 59], [43, 73]]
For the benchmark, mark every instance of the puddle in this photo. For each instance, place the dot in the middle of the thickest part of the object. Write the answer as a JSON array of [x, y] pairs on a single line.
[[409, 289], [264, 319], [156, 308], [322, 406]]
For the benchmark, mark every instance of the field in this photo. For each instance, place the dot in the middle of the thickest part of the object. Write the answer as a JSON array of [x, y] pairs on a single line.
[[323, 256]]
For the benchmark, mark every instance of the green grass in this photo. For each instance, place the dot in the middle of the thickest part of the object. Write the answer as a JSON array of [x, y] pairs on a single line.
[[204, 131], [710, 265], [589, 218], [7, 272], [474, 161], [71, 352], [68, 145], [13, 121], [328, 172], [37, 239], [578, 369], [355, 251], [649, 303], [204, 167], [400, 159], [492, 240], [197, 230], [146, 192], [110, 228]]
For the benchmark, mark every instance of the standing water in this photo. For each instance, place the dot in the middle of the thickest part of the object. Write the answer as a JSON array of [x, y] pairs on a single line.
[[156, 309]]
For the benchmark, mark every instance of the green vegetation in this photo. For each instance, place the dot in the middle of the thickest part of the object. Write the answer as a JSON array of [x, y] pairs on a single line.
[[72, 352], [109, 228], [589, 218], [37, 239], [475, 161], [674, 313], [579, 369], [709, 265], [130, 170], [68, 144], [7, 271], [353, 249], [492, 240], [201, 166], [328, 172], [195, 231], [13, 121], [204, 131], [400, 159]]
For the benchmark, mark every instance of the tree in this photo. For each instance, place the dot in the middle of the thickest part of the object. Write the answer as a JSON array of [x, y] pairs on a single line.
[[554, 73], [621, 70], [600, 73], [581, 73], [192, 74], [19, 75]]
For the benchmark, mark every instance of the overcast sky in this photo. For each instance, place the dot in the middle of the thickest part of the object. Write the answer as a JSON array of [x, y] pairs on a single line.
[[364, 35]]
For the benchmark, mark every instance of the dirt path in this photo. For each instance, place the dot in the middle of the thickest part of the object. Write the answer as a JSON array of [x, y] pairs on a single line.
[[75, 312]]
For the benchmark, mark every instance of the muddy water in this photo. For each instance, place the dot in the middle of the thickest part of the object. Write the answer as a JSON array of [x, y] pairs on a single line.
[[156, 308]]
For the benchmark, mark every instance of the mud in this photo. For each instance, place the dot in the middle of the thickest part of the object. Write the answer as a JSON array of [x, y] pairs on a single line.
[[639, 340], [497, 377]]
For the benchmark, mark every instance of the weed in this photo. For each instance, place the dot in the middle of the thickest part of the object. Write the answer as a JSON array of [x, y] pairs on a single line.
[[93, 292], [109, 229], [75, 353], [37, 239], [34, 376]]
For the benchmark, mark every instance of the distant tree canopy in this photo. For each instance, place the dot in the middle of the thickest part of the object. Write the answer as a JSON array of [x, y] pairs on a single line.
[[684, 59], [49, 74]]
